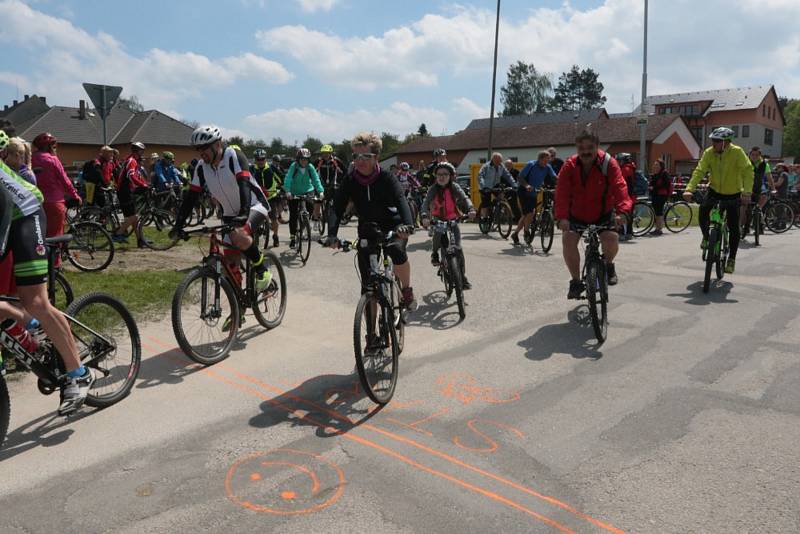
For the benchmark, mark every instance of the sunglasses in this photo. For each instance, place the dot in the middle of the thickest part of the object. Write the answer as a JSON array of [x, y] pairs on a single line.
[[363, 157], [443, 175]]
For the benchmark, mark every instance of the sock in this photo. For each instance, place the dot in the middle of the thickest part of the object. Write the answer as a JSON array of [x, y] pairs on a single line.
[[77, 373]]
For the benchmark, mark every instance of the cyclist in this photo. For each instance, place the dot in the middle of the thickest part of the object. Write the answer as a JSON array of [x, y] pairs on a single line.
[[762, 184], [226, 174], [531, 179], [301, 179], [730, 181], [331, 169], [378, 200], [270, 182], [27, 245], [493, 174], [439, 156], [660, 191], [15, 157], [131, 181], [444, 200], [590, 188], [167, 175], [408, 181]]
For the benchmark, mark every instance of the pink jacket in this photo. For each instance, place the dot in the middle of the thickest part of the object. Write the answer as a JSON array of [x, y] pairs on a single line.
[[51, 179]]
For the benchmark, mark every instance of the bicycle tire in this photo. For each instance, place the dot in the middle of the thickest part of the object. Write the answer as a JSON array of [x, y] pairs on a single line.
[[303, 240], [722, 254], [641, 218], [385, 336], [323, 219], [504, 220], [779, 217], [444, 273], [163, 221], [278, 283], [458, 287], [101, 321], [757, 227], [711, 252], [66, 289], [597, 298], [92, 249], [484, 223], [5, 409], [178, 321], [399, 315], [678, 217], [547, 230]]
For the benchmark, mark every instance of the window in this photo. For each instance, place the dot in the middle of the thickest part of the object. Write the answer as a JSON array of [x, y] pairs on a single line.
[[697, 132], [768, 136], [746, 130], [735, 130], [774, 113], [764, 111], [662, 111]]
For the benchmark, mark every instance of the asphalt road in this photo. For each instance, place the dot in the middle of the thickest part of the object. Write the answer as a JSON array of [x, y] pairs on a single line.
[[686, 420]]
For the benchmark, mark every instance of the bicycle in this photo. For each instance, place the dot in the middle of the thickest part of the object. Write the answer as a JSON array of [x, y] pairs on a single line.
[[501, 217], [205, 286], [379, 321], [106, 215], [155, 222], [302, 238], [778, 215], [90, 247], [451, 262], [715, 255], [642, 217], [544, 219], [595, 280], [757, 221], [325, 212]]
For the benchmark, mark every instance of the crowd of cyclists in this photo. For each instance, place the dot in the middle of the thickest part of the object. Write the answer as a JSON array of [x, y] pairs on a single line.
[[590, 188]]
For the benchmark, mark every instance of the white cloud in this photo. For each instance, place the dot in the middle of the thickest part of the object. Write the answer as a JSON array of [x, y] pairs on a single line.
[[310, 6], [295, 124], [466, 107], [13, 79], [74, 56]]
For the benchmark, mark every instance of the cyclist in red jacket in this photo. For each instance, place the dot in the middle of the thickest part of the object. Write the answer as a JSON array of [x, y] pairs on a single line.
[[591, 191]]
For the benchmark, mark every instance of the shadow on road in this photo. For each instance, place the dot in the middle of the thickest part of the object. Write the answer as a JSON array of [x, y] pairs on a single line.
[[170, 368], [431, 312], [717, 294], [46, 431], [327, 402], [575, 337]]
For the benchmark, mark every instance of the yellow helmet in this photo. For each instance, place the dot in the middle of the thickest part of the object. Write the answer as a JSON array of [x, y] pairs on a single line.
[[326, 149]]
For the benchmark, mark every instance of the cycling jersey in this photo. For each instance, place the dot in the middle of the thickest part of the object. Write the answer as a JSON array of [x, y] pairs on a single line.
[[407, 181], [330, 172], [731, 171], [222, 183], [27, 198], [267, 178]]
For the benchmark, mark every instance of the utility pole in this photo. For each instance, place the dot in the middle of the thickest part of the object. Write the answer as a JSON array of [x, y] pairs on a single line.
[[643, 116], [494, 82]]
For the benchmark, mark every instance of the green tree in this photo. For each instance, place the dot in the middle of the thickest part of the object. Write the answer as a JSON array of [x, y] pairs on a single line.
[[390, 144], [578, 89], [423, 130], [236, 140], [791, 134], [343, 150], [131, 103], [313, 144], [526, 90]]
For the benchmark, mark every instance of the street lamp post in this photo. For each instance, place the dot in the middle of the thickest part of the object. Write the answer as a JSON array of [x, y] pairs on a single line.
[[643, 117], [494, 82]]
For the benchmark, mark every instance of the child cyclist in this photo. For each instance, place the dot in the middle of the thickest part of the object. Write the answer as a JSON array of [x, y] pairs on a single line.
[[446, 201]]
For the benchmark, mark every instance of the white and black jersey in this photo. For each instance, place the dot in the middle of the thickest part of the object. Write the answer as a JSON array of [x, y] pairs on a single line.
[[223, 183]]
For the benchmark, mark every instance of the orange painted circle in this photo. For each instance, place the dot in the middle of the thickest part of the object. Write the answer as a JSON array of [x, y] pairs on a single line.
[[246, 477]]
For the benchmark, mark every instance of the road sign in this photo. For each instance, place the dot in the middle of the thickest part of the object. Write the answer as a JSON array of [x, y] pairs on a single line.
[[104, 98]]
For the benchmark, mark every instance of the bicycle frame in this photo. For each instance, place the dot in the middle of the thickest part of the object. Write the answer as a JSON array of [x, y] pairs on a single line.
[[592, 239]]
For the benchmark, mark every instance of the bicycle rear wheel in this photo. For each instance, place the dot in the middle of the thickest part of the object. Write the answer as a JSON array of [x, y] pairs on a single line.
[[205, 330], [457, 283], [155, 229], [778, 217], [678, 217], [597, 295], [722, 254], [303, 240], [504, 220], [376, 349], [642, 218], [97, 320], [758, 226], [484, 223], [711, 257], [91, 248], [396, 297], [547, 229], [270, 305]]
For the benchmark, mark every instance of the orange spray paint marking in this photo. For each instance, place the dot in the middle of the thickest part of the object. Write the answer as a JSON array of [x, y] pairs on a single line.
[[492, 445], [464, 388], [413, 426]]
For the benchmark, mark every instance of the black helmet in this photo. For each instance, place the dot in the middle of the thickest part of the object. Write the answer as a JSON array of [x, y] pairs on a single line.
[[260, 153], [439, 152]]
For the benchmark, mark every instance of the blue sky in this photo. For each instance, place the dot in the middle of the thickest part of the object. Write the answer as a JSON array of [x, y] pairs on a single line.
[[326, 68]]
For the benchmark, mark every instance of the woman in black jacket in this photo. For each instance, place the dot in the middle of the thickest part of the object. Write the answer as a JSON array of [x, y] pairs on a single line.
[[660, 191]]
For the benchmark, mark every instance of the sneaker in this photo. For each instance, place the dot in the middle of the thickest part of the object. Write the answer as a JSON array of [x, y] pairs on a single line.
[[465, 284], [292, 242], [730, 266], [435, 259], [611, 273], [263, 280], [74, 392], [143, 243], [657, 232], [576, 289], [119, 238], [515, 238], [408, 299], [275, 241]]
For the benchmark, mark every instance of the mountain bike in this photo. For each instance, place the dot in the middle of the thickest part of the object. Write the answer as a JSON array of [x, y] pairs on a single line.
[[451, 264], [106, 215], [716, 253], [325, 213], [379, 324], [544, 220], [154, 222], [209, 304], [778, 215], [756, 220], [108, 343], [90, 247], [642, 217], [595, 280], [500, 215], [302, 237]]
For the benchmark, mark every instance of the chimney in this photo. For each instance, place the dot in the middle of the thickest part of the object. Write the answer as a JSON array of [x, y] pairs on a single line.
[[5, 107], [82, 109], [43, 99], [16, 102], [27, 97]]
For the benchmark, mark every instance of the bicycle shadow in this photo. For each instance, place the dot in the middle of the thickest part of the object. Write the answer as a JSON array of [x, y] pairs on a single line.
[[334, 404], [564, 338], [429, 313], [168, 368], [290, 259], [717, 294], [45, 431]]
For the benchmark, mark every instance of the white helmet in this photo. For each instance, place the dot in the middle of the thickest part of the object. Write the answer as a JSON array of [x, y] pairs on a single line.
[[205, 135]]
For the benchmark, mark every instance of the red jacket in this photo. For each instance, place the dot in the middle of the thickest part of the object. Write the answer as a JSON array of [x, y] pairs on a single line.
[[581, 199], [131, 174]]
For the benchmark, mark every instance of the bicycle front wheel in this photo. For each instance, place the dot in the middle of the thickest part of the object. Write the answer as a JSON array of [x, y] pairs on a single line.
[[547, 230], [91, 248], [678, 217], [711, 257], [779, 217], [155, 230], [270, 305], [303, 240], [396, 297], [484, 223], [504, 219], [597, 295], [642, 218], [458, 286], [376, 349], [204, 327], [108, 342]]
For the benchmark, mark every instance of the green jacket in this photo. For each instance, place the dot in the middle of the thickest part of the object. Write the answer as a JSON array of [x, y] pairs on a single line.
[[731, 171], [300, 181]]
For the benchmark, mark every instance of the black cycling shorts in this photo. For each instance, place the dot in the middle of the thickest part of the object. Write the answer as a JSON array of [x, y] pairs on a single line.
[[274, 208], [658, 204], [396, 250], [26, 241], [126, 203], [528, 202], [606, 222]]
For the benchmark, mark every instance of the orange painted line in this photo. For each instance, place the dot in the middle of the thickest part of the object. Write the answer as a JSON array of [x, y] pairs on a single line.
[[401, 439], [413, 426], [311, 474], [471, 425]]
